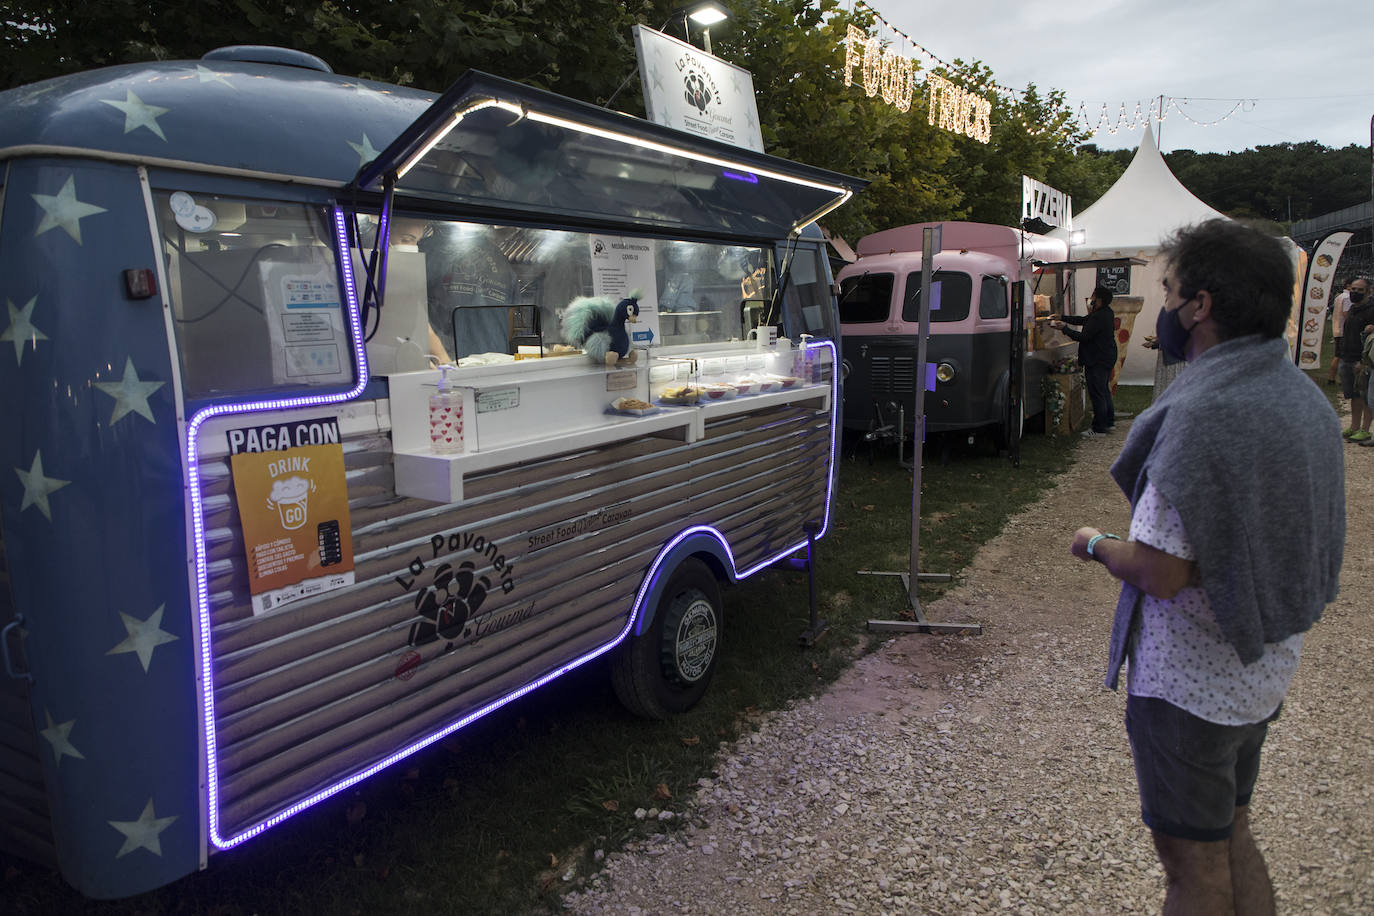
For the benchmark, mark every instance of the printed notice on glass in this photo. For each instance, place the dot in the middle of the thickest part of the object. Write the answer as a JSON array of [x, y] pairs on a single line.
[[305, 319], [620, 266]]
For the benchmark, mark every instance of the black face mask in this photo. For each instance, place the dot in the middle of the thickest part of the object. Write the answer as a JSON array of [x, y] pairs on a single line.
[[1171, 334], [1356, 296]]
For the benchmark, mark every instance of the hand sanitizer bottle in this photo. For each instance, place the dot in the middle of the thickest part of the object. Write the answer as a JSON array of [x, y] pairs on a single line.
[[805, 368], [445, 417]]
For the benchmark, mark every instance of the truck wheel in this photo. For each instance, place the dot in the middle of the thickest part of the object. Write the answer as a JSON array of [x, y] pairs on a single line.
[[666, 669], [1002, 433]]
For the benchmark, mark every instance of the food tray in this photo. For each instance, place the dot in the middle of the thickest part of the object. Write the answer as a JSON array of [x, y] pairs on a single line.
[[718, 392], [759, 385], [616, 408], [683, 394]]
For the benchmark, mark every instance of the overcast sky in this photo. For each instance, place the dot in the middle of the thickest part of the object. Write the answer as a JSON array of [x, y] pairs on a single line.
[[1308, 67]]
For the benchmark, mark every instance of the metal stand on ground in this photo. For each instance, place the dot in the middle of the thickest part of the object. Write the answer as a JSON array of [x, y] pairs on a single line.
[[930, 244], [817, 626], [919, 624]]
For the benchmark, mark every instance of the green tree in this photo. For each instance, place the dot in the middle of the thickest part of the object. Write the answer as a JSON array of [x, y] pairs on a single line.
[[1280, 183], [1034, 134], [580, 48], [795, 51]]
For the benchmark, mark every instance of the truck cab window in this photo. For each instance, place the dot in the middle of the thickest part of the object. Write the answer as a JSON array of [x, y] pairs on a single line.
[[956, 290], [866, 299], [256, 301], [806, 298], [992, 298]]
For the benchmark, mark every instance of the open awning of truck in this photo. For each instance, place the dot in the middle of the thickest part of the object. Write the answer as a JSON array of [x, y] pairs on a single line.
[[1093, 262], [496, 146]]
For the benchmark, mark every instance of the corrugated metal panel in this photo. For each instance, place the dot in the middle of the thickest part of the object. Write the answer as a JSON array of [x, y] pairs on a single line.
[[25, 820], [318, 690]]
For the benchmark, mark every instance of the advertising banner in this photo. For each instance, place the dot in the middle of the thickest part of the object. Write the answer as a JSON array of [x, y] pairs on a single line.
[[293, 507], [693, 91], [1318, 288]]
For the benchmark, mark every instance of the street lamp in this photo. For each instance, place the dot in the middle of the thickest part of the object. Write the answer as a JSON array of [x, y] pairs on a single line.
[[705, 14]]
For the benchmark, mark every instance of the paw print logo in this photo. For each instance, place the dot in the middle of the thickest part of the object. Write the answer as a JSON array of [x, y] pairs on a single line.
[[448, 604], [697, 93]]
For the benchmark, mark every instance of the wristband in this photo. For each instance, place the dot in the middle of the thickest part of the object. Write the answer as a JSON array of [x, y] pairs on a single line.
[[1092, 542]]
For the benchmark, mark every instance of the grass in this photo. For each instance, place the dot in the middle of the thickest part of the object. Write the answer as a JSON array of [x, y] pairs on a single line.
[[493, 819]]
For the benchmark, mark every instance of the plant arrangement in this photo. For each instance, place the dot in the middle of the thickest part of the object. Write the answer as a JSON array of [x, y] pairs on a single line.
[[1055, 402]]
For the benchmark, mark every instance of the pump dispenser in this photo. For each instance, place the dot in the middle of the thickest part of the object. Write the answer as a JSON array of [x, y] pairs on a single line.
[[804, 362], [445, 417]]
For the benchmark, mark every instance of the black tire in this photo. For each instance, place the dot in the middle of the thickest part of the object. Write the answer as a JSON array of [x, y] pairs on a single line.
[[1002, 432], [1006, 427], [667, 669]]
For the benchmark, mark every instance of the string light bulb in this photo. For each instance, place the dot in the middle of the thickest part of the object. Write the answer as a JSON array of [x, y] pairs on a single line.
[[880, 69]]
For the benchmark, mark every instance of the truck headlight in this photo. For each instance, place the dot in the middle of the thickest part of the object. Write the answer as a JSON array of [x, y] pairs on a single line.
[[944, 372]]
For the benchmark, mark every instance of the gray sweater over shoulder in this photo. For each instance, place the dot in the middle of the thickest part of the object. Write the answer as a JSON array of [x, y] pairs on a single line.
[[1249, 451]]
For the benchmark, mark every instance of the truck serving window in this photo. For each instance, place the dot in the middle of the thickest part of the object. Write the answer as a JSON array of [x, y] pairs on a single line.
[[866, 299], [700, 288], [955, 292], [478, 293], [255, 295]]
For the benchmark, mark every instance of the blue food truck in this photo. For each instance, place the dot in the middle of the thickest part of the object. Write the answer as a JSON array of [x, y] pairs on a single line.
[[254, 546]]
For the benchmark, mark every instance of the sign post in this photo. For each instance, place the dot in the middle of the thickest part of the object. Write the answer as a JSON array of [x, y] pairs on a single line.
[[930, 244]]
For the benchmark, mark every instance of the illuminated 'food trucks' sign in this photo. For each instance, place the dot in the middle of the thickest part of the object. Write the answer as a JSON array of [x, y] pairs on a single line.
[[883, 71]]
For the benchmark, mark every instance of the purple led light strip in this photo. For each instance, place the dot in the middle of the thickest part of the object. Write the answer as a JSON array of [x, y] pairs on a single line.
[[646, 586], [198, 518]]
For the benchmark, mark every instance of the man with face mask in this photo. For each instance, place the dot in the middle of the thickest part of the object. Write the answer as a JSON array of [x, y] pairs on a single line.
[[1232, 556], [1339, 308], [1351, 343], [1096, 354]]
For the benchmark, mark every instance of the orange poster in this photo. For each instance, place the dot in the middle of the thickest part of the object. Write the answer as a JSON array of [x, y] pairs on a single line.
[[293, 505]]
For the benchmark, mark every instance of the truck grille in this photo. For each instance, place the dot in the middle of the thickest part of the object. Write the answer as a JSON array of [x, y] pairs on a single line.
[[894, 374]]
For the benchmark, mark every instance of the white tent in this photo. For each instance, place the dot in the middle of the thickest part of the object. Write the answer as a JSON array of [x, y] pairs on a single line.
[[1144, 206]]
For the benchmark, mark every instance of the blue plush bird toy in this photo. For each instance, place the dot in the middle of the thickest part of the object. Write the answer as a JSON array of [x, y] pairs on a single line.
[[597, 325]]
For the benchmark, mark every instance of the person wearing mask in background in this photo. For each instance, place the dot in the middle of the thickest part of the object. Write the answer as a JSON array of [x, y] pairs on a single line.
[[1225, 568], [1096, 354], [1361, 313], [1366, 373], [1338, 310]]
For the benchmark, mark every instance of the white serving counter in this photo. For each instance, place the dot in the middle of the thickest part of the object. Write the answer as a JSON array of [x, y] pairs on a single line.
[[532, 409]]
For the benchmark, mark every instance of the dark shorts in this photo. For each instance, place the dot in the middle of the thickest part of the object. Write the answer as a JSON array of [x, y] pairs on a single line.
[[1192, 773], [1347, 372]]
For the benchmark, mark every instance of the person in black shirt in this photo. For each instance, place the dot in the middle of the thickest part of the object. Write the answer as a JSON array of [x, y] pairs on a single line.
[[1360, 315], [1096, 354]]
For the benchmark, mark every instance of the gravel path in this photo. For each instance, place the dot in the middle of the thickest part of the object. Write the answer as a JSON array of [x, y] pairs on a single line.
[[981, 774]]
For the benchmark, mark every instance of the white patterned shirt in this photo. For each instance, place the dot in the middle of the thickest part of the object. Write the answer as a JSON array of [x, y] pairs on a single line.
[[1177, 651]]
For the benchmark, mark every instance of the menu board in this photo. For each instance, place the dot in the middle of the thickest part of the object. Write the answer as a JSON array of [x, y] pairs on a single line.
[[1116, 279]]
